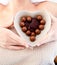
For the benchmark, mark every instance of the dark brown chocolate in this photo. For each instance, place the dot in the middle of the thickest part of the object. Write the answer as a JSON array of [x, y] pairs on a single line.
[[39, 17], [42, 22], [28, 32], [32, 38], [22, 24], [23, 19], [29, 18], [32, 26], [33, 34], [24, 29], [37, 31], [41, 27]]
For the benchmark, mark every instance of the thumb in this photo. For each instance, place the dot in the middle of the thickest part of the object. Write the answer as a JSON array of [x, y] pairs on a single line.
[[17, 39]]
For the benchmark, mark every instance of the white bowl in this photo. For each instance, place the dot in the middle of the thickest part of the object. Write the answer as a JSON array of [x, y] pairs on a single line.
[[39, 37]]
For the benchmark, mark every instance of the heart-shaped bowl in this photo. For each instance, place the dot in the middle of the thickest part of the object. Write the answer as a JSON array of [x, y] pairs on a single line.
[[39, 37]]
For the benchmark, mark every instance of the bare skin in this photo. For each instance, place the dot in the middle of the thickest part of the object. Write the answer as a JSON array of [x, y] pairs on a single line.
[[7, 12], [27, 5], [6, 15]]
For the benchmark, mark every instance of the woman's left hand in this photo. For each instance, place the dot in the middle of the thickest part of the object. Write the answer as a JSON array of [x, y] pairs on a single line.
[[52, 34]]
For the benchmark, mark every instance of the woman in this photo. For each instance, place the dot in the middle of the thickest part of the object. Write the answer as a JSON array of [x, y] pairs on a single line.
[[42, 55]]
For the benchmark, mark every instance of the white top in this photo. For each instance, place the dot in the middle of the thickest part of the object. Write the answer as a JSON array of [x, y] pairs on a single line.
[[43, 0], [5, 2], [43, 55]]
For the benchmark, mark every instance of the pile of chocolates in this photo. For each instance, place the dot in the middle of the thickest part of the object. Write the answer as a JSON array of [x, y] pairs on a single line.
[[32, 26]]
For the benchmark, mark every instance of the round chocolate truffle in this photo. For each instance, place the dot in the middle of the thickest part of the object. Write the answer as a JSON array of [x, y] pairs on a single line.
[[24, 29], [23, 19], [28, 32], [32, 38], [39, 17], [22, 24], [29, 18], [33, 34], [41, 27], [37, 31], [42, 22]]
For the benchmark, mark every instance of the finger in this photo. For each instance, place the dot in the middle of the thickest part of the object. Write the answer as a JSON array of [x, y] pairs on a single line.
[[16, 39], [47, 38], [15, 48], [12, 38]]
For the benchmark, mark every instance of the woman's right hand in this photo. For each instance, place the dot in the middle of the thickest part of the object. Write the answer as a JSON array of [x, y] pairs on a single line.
[[10, 40]]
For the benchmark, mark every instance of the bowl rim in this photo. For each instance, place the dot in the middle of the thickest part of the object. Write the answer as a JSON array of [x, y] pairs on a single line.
[[32, 13]]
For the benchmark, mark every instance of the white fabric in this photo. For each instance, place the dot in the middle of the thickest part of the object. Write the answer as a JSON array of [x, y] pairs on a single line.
[[53, 1], [37, 0], [33, 1], [43, 55], [4, 2]]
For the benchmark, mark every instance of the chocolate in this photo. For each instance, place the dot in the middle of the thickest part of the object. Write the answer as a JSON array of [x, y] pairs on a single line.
[[32, 26], [42, 22], [24, 29], [29, 18], [27, 24], [41, 27], [32, 38], [33, 34], [22, 24], [23, 19], [28, 32], [37, 31], [39, 17]]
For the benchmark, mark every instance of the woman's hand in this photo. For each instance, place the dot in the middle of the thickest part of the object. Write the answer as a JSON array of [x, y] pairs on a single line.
[[52, 34], [32, 7], [10, 40]]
